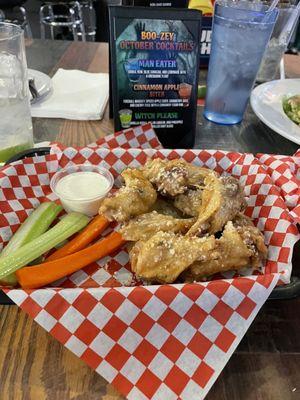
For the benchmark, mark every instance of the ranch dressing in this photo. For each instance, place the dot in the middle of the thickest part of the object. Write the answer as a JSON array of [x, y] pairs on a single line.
[[82, 186], [82, 191]]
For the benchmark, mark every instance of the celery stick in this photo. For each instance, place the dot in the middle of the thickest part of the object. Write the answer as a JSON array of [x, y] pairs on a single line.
[[36, 224], [70, 224]]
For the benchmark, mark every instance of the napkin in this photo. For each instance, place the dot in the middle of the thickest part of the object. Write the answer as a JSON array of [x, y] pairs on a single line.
[[76, 95]]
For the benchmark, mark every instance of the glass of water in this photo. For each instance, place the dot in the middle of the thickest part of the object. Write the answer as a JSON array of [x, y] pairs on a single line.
[[278, 43], [241, 32], [15, 119]]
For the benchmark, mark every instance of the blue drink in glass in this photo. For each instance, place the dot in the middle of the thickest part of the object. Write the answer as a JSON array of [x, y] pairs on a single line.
[[241, 32]]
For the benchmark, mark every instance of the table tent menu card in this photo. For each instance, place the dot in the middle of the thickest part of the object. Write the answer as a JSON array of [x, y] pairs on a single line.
[[154, 57]]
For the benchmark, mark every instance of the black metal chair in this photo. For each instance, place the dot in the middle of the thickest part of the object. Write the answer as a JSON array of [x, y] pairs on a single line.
[[74, 15], [62, 14], [14, 12], [88, 12]]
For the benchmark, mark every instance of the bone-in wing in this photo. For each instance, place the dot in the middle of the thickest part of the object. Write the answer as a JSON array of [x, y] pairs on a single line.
[[174, 177], [221, 200], [135, 198], [189, 203], [166, 207], [166, 255], [241, 245], [146, 225], [253, 238]]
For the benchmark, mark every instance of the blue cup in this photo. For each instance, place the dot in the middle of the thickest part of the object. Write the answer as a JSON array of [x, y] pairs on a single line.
[[241, 32]]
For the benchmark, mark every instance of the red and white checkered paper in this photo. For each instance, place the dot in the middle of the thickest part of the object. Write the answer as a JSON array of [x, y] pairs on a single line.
[[152, 342], [285, 173], [141, 137]]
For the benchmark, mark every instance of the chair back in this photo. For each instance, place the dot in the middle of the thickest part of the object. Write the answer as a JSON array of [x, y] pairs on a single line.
[[8, 4]]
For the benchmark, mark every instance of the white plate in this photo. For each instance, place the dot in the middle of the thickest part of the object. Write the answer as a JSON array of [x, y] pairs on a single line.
[[42, 82], [266, 101]]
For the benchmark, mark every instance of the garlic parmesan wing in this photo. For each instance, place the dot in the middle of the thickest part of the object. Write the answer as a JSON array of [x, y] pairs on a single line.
[[222, 198], [146, 225], [189, 203], [164, 256], [166, 207], [174, 177], [241, 245], [135, 198], [253, 238], [169, 177]]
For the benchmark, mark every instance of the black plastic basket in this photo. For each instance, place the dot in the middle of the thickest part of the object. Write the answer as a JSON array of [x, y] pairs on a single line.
[[41, 151]]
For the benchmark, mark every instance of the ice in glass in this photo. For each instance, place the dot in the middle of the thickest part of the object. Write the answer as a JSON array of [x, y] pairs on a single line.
[[241, 32], [15, 117]]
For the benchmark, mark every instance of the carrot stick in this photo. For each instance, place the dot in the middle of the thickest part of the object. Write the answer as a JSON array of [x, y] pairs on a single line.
[[90, 233], [43, 274]]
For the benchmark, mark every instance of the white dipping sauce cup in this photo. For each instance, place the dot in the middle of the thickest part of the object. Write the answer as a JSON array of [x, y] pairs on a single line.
[[84, 202]]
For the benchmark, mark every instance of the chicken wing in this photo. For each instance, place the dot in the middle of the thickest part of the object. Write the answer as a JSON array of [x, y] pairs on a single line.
[[174, 177], [135, 198], [166, 207], [197, 175], [241, 245], [146, 225], [221, 200], [253, 238], [166, 255], [189, 203], [169, 177]]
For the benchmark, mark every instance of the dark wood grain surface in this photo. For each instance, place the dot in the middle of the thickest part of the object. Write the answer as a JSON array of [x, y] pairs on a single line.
[[34, 366]]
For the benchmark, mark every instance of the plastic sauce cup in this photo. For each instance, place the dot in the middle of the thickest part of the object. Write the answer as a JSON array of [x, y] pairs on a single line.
[[81, 188]]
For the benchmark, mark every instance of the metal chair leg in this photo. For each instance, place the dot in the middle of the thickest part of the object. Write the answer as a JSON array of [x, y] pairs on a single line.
[[42, 29], [28, 31], [74, 31], [51, 14], [27, 27], [42, 26], [74, 27], [82, 29], [92, 26], [52, 32], [81, 25]]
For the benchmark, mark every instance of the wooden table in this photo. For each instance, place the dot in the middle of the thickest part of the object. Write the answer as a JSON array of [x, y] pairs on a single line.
[[34, 366]]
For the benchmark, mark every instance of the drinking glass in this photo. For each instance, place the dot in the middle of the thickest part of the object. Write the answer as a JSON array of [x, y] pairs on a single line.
[[277, 44], [15, 119], [241, 31]]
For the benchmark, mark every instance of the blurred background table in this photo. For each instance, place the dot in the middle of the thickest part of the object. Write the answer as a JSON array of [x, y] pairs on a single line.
[[34, 366]]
